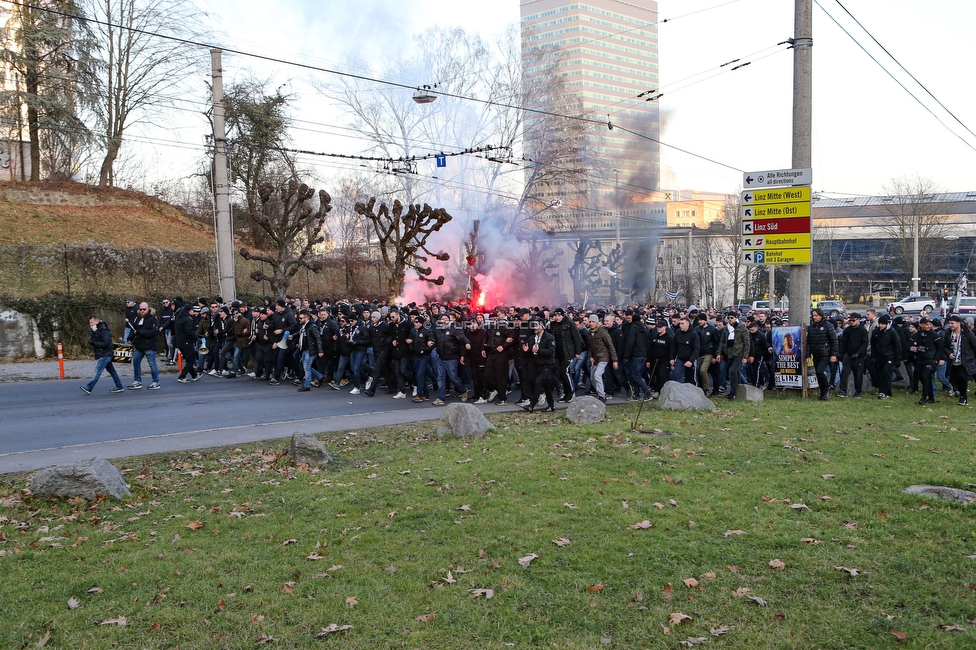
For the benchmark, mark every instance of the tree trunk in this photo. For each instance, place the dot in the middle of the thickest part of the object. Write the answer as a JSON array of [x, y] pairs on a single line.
[[106, 177], [33, 125]]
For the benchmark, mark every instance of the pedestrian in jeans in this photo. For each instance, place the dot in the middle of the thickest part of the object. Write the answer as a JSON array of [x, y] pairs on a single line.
[[144, 337], [101, 342], [310, 344], [602, 352]]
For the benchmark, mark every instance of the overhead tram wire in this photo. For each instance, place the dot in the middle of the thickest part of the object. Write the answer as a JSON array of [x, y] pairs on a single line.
[[360, 77], [921, 85], [895, 79], [692, 13], [720, 70]]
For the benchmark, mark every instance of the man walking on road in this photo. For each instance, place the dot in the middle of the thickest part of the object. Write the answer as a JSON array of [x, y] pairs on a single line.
[[101, 341], [144, 338]]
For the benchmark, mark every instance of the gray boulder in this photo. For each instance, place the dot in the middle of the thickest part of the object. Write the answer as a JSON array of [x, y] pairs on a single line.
[[463, 421], [747, 393], [586, 410], [683, 397], [941, 492], [307, 449], [87, 479]]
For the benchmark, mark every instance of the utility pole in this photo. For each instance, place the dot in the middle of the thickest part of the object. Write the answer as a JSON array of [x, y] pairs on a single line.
[[802, 138], [226, 279]]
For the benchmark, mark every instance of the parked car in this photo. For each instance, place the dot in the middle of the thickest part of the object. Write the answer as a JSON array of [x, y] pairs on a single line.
[[913, 305], [832, 308], [742, 309]]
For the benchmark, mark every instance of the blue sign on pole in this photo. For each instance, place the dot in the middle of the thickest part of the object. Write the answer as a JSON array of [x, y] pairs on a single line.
[[441, 160]]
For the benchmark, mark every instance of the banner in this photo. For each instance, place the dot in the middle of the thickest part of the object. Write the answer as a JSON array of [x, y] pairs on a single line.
[[789, 361], [121, 353]]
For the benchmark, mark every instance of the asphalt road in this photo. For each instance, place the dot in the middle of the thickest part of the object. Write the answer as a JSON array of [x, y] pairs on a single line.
[[44, 423]]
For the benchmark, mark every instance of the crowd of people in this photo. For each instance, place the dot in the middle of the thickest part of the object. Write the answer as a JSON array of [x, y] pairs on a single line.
[[444, 351]]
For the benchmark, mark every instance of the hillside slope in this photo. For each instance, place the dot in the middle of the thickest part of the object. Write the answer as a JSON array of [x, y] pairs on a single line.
[[56, 213]]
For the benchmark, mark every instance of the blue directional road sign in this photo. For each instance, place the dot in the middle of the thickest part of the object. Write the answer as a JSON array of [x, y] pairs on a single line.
[[441, 160]]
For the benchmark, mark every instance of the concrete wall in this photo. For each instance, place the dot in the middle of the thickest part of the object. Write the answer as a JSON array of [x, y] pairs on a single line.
[[18, 336]]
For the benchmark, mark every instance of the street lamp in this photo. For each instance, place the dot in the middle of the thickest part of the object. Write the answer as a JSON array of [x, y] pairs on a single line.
[[915, 277], [424, 94]]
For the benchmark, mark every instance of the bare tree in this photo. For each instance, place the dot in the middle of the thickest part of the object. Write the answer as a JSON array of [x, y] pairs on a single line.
[[403, 239], [912, 212], [293, 224], [139, 66], [729, 225]]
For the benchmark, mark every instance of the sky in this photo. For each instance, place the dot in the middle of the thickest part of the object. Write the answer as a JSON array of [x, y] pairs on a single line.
[[867, 130]]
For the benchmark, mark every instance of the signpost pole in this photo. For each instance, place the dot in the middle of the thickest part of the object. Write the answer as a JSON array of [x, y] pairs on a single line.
[[799, 290]]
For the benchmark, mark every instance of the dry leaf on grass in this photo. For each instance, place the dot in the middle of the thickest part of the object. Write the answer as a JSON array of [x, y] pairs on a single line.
[[571, 506], [464, 506], [351, 602], [719, 631], [333, 628], [286, 542], [487, 593], [851, 572], [562, 541], [756, 599], [732, 568], [694, 640], [120, 621], [73, 602], [642, 525], [527, 560], [450, 579], [730, 533], [287, 588], [850, 525], [595, 589], [740, 592], [43, 640], [690, 582], [708, 576], [952, 628], [908, 437], [196, 525], [659, 506], [221, 605], [826, 476], [315, 556], [267, 638], [810, 540], [426, 618], [676, 618], [899, 636], [777, 564], [799, 506]]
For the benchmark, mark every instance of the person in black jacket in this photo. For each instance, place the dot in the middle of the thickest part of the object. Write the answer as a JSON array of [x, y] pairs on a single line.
[[450, 344], [853, 350], [885, 353], [380, 338], [569, 346], [757, 352], [635, 356], [686, 350], [167, 313], [144, 336], [400, 354], [283, 326], [185, 339], [264, 356], [961, 353], [131, 311], [928, 348], [101, 341], [309, 342], [422, 341], [500, 341], [661, 348], [476, 359], [539, 355], [822, 345], [708, 339]]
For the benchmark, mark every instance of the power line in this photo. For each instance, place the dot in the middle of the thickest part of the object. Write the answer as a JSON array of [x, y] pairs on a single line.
[[360, 77], [903, 68], [692, 13], [895, 79]]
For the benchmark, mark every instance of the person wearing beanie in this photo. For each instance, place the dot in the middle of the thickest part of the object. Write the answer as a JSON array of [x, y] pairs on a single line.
[[962, 357], [885, 352], [928, 347]]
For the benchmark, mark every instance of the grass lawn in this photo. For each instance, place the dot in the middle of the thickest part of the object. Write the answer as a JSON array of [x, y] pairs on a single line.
[[773, 525]]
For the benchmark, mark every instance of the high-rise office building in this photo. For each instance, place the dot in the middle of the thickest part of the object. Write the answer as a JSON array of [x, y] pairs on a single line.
[[605, 53]]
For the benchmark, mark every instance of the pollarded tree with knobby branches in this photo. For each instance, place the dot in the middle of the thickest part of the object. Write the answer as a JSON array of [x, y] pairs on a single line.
[[402, 237], [293, 224]]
